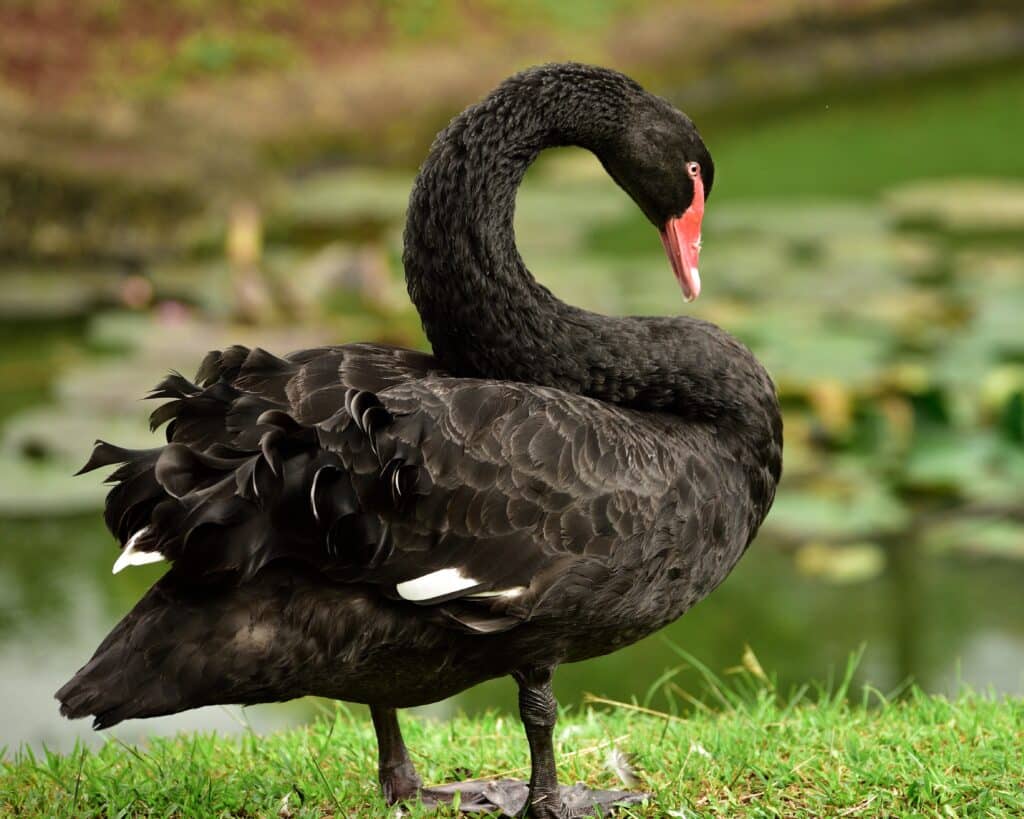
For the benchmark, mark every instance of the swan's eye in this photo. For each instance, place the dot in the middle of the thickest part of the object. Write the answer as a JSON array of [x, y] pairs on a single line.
[[693, 169]]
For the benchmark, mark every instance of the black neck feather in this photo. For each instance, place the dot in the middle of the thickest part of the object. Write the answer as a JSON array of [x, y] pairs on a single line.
[[485, 314]]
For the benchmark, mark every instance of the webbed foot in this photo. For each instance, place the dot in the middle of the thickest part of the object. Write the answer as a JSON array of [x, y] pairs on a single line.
[[510, 797]]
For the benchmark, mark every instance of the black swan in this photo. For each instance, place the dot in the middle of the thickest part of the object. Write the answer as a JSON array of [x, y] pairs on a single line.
[[389, 527]]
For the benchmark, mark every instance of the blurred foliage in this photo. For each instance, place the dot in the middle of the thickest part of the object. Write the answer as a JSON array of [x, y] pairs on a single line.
[[204, 53], [148, 49], [226, 97]]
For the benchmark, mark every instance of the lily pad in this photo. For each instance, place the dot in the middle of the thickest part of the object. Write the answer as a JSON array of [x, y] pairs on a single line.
[[961, 205], [57, 434], [801, 222], [344, 197], [850, 563], [975, 465], [993, 537], [33, 489], [799, 349], [33, 294], [836, 511]]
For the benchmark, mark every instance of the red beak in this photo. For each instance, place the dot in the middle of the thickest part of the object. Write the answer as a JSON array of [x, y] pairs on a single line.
[[681, 237]]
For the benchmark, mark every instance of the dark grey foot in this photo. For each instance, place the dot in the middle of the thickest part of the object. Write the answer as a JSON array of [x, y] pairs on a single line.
[[399, 783], [509, 796]]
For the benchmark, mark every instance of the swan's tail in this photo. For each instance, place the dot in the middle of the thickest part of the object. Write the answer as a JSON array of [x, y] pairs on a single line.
[[184, 646]]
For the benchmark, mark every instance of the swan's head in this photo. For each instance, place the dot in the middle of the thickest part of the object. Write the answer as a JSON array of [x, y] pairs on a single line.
[[660, 160]]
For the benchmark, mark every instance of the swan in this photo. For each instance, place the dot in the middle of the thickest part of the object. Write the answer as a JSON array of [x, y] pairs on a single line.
[[386, 526]]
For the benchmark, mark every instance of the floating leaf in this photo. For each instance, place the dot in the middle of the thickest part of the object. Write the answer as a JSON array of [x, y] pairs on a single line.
[[962, 205], [42, 489], [850, 563], [994, 537], [974, 465], [836, 511]]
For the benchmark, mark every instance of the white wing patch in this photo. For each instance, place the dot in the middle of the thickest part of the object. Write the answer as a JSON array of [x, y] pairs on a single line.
[[436, 584], [131, 557]]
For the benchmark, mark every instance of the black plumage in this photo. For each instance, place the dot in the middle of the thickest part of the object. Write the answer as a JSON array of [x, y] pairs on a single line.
[[390, 527]]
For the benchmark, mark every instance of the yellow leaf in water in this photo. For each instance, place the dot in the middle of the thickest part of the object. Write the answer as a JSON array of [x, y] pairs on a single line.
[[899, 418], [245, 235], [832, 405], [850, 563], [1000, 383], [907, 377]]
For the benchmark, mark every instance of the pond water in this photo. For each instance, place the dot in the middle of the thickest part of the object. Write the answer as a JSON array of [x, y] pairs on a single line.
[[889, 317]]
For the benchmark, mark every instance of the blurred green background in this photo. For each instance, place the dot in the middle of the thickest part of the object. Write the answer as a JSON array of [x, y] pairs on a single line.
[[177, 176]]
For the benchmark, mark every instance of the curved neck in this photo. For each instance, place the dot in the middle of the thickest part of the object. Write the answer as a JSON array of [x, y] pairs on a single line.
[[485, 314], [483, 311]]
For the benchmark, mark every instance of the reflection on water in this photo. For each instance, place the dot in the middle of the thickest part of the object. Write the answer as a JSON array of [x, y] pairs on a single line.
[[939, 622]]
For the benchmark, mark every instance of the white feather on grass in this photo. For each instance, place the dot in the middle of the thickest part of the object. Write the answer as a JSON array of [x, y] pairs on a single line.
[[619, 764]]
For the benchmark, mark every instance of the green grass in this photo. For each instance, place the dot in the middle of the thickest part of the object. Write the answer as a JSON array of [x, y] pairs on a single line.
[[745, 750]]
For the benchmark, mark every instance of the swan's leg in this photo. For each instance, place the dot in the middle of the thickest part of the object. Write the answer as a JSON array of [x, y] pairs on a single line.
[[538, 710], [542, 798], [398, 777]]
